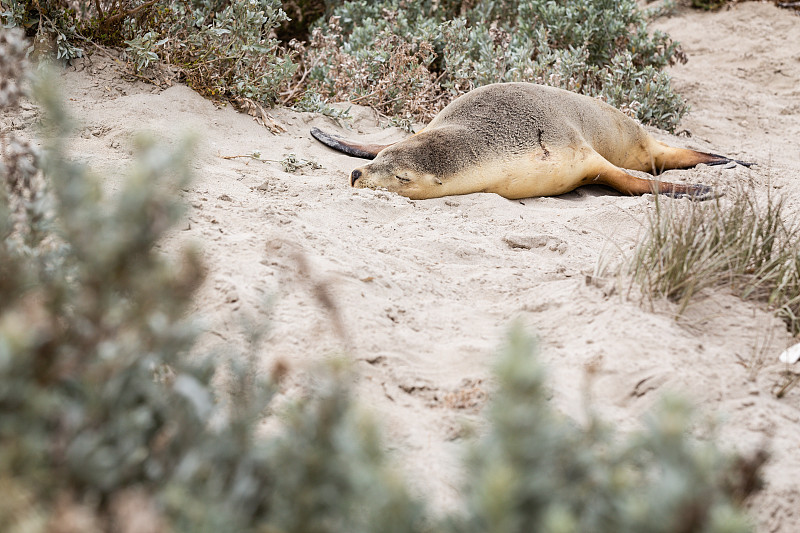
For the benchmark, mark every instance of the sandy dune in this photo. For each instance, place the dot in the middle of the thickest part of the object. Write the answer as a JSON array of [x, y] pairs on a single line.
[[424, 291]]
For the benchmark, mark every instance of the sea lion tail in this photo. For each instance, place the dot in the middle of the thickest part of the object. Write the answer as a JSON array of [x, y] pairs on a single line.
[[355, 149]]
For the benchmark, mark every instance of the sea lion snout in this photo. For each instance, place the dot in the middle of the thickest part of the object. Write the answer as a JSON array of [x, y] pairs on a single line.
[[354, 176]]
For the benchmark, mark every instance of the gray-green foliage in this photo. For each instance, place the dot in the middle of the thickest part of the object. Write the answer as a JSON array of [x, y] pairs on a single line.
[[141, 48], [89, 313], [407, 59], [600, 48], [101, 405], [226, 48], [313, 102], [50, 22], [332, 474]]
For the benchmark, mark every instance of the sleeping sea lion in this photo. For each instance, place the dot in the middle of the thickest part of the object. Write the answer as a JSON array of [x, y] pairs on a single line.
[[521, 140]]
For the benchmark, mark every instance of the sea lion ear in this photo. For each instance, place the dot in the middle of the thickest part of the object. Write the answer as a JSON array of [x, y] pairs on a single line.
[[356, 149], [437, 180]]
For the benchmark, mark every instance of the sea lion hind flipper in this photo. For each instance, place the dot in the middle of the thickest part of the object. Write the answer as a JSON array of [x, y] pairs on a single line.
[[355, 149], [725, 160], [625, 183], [669, 158]]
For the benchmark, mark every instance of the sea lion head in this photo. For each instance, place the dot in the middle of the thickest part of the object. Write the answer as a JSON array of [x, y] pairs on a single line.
[[396, 176], [418, 167]]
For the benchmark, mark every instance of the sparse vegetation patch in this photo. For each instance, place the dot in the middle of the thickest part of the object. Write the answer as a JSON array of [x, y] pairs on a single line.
[[409, 59], [743, 240], [225, 50], [405, 59]]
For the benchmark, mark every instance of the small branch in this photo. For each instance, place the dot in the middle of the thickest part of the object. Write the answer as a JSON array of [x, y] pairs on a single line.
[[354, 100], [298, 85], [122, 14], [789, 385], [248, 156], [235, 64]]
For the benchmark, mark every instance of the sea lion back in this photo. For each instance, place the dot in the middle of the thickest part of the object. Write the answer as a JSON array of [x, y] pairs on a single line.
[[518, 117]]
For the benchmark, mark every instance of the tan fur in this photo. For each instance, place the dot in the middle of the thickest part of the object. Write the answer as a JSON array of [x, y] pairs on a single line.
[[520, 140]]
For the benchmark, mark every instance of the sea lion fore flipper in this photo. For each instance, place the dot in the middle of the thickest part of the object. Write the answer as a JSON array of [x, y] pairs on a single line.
[[355, 149]]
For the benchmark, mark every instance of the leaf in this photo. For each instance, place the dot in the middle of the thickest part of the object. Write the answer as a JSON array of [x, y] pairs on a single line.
[[195, 393]]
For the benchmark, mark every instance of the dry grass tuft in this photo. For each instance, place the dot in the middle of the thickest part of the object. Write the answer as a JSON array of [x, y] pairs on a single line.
[[742, 241]]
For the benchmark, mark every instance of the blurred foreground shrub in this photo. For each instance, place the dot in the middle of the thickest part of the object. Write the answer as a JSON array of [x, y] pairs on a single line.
[[106, 424], [535, 470]]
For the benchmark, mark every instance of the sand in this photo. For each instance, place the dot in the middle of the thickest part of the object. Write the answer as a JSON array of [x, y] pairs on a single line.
[[420, 294]]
